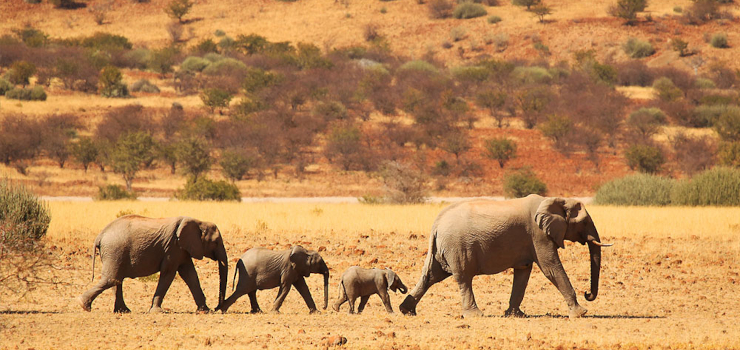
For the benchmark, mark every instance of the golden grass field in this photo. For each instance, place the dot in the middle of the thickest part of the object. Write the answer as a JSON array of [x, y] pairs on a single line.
[[670, 281]]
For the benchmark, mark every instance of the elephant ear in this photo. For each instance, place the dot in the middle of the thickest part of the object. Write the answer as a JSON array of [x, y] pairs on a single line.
[[299, 260], [391, 276], [189, 237], [551, 218]]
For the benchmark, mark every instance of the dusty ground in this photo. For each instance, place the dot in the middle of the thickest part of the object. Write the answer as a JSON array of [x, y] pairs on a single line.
[[669, 282]]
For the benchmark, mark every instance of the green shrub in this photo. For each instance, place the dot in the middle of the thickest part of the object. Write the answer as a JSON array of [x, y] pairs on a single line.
[[144, 85], [637, 48], [418, 65], [20, 72], [467, 10], [106, 41], [704, 83], [470, 73], [215, 98], [628, 9], [719, 186], [36, 93], [494, 19], [24, 219], [526, 3], [667, 91], [500, 149], [522, 183], [177, 9], [204, 189], [728, 124], [729, 154], [645, 158], [531, 75], [226, 66], [5, 86], [458, 33], [719, 41], [138, 58], [114, 193], [110, 83], [638, 189], [194, 64], [32, 37], [677, 9], [708, 115], [257, 79]]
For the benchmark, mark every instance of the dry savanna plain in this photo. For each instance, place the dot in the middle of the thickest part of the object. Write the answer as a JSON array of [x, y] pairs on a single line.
[[669, 282]]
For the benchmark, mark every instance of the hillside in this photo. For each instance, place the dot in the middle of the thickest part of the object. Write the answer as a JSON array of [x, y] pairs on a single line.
[[574, 26]]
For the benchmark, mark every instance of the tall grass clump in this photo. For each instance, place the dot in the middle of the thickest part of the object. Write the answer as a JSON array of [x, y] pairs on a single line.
[[467, 10], [638, 189], [24, 219], [719, 186]]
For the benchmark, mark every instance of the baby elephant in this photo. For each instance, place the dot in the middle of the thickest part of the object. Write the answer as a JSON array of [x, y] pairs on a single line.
[[359, 282]]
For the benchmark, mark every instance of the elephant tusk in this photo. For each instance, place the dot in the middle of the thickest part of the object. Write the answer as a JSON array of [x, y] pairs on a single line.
[[602, 244]]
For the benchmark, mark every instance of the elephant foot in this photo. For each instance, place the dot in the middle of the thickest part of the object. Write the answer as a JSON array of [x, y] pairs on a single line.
[[203, 310], [408, 306], [85, 306], [577, 312], [156, 310], [256, 311], [314, 311], [514, 312], [121, 310], [335, 307], [472, 313]]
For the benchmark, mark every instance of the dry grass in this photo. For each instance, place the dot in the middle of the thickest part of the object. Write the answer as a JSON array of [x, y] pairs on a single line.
[[667, 283]]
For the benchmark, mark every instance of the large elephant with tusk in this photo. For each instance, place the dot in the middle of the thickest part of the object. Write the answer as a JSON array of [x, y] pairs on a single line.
[[484, 237]]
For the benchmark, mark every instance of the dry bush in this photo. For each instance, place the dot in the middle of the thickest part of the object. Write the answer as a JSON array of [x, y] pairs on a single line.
[[694, 154], [403, 184], [20, 138], [121, 120], [439, 9], [634, 73]]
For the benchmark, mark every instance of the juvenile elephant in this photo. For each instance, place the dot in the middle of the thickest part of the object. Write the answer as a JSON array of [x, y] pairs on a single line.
[[486, 237], [136, 246], [358, 282], [261, 268]]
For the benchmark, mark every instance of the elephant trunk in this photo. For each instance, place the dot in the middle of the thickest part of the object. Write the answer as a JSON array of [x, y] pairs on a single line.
[[594, 250], [402, 288], [325, 272], [223, 271]]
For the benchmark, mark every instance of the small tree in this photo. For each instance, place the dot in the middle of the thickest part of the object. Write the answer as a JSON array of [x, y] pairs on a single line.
[[526, 3], [522, 183], [494, 102], [344, 146], [403, 184], [84, 151], [557, 128], [694, 154], [628, 9], [216, 98], [645, 158], [130, 153], [177, 9], [195, 156], [500, 149], [680, 46], [541, 10], [456, 143], [20, 72], [235, 165], [110, 83]]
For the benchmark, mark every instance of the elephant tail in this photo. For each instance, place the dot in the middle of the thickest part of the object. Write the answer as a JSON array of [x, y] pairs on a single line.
[[342, 290], [429, 260], [96, 247], [239, 263]]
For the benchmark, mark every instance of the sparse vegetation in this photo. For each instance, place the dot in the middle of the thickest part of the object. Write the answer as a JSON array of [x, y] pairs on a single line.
[[203, 189], [637, 189], [500, 149], [637, 48], [467, 10], [523, 182], [719, 41], [628, 9], [114, 193], [177, 9]]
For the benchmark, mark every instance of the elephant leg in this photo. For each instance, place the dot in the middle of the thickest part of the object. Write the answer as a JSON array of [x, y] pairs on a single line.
[[470, 308], [253, 301], [430, 275], [165, 280], [351, 304], [120, 305], [342, 299], [553, 269], [386, 300], [521, 279], [190, 276], [301, 286], [238, 293], [282, 293], [86, 299], [363, 302]]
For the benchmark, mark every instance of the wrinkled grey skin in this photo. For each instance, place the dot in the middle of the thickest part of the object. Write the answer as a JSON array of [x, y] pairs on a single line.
[[358, 282], [261, 268], [483, 237], [136, 246]]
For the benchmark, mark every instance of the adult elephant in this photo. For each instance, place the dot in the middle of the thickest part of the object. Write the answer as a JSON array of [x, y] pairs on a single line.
[[261, 268], [136, 246], [480, 237]]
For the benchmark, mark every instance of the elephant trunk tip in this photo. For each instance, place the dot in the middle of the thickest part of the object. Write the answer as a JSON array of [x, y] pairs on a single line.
[[590, 296]]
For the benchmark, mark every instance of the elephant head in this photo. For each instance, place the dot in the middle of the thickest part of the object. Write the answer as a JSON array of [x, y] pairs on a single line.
[[395, 283], [307, 262], [199, 239], [563, 219]]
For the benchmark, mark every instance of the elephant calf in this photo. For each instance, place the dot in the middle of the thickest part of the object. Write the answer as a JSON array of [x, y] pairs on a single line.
[[135, 246], [261, 268], [358, 282]]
